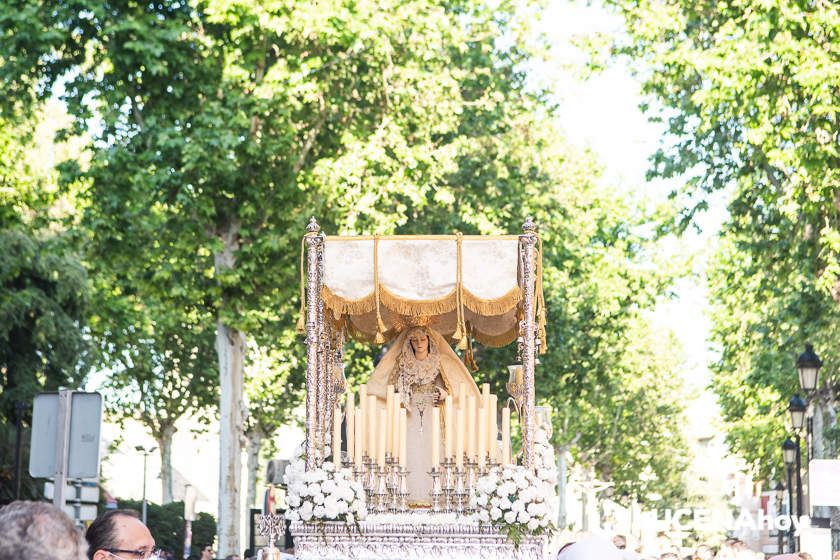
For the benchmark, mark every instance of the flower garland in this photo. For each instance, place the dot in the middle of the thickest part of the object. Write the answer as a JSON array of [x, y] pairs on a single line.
[[519, 500], [323, 494]]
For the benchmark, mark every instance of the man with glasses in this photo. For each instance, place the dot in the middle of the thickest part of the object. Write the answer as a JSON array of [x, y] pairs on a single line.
[[120, 535]]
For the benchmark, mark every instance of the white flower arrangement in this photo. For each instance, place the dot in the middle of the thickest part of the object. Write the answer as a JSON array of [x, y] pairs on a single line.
[[521, 501], [323, 494]]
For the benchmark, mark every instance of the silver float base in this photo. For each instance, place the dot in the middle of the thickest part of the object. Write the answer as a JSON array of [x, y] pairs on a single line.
[[407, 541]]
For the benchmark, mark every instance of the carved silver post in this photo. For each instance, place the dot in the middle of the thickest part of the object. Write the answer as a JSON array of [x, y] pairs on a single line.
[[313, 296], [527, 331], [324, 401]]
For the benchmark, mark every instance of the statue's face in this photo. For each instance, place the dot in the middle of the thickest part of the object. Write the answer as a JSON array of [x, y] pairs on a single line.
[[420, 343]]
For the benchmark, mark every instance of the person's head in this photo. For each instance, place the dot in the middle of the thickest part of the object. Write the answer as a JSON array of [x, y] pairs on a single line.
[[232, 557], [38, 531], [120, 535], [419, 340], [805, 556], [207, 552], [669, 556], [620, 542]]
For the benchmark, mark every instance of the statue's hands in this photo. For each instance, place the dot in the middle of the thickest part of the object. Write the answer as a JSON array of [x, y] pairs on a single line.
[[441, 395]]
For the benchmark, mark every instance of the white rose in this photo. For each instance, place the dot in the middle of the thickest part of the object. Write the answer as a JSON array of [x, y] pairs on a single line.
[[523, 517], [510, 517], [533, 524], [306, 511], [481, 500], [294, 500], [517, 506], [328, 486], [331, 511], [350, 518], [484, 516], [318, 498], [292, 515], [495, 513], [318, 512], [544, 521], [504, 503]]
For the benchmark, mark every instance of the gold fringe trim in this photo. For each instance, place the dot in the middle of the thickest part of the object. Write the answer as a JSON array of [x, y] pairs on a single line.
[[344, 306], [420, 237], [414, 308], [418, 308], [498, 306], [496, 340]]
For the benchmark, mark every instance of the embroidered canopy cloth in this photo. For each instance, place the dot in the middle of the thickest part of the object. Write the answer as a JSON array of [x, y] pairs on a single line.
[[458, 285]]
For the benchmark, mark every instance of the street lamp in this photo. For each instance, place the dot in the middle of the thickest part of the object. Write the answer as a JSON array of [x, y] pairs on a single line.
[[789, 455], [146, 453], [797, 407], [808, 364], [780, 500]]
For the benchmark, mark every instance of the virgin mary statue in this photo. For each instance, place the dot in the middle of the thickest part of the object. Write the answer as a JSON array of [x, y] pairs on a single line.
[[424, 370]]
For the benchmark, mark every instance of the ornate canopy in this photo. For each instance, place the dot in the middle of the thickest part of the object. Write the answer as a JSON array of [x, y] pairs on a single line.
[[461, 286]]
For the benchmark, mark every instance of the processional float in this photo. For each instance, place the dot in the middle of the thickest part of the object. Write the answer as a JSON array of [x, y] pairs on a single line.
[[456, 289]]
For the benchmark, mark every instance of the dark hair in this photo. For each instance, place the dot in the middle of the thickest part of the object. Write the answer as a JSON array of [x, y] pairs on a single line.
[[100, 535]]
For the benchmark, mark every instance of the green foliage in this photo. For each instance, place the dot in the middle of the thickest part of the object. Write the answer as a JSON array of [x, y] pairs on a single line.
[[749, 93], [166, 523], [43, 299], [218, 127]]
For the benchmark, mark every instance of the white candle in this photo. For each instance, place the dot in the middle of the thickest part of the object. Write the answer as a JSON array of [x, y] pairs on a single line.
[[435, 437], [380, 455], [481, 450], [492, 429], [460, 414], [371, 427], [350, 428], [336, 437], [403, 436], [462, 394], [506, 458], [389, 419], [361, 427], [357, 447], [449, 421], [472, 432]]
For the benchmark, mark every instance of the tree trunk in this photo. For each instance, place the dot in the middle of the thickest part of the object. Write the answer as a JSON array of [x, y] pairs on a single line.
[[164, 441], [562, 477], [230, 347], [254, 445]]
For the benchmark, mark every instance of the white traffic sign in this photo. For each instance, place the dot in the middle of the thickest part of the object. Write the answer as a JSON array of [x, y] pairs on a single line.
[[88, 493], [82, 441]]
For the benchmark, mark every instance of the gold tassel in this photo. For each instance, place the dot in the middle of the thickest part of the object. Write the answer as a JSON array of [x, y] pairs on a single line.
[[470, 355], [380, 325], [460, 328], [301, 323]]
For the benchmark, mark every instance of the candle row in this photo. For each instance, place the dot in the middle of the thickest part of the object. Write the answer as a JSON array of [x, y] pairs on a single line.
[[470, 428], [374, 430]]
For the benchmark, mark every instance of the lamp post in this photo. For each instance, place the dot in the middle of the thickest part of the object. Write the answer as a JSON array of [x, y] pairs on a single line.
[[808, 365], [145, 453], [797, 408], [789, 455], [780, 499]]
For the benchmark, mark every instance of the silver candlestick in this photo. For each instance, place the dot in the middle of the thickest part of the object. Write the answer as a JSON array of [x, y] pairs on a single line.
[[447, 484], [382, 490], [402, 474], [436, 490]]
